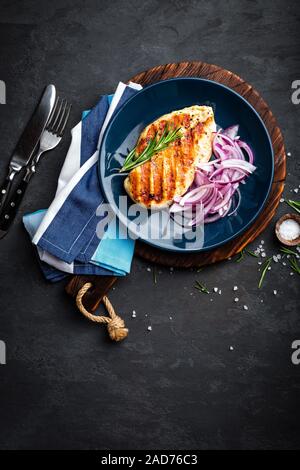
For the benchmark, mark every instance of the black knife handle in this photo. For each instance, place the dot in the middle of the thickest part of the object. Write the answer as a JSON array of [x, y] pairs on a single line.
[[5, 190], [11, 207]]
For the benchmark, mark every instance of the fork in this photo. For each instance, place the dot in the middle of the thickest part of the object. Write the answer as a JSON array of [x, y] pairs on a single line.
[[51, 137]]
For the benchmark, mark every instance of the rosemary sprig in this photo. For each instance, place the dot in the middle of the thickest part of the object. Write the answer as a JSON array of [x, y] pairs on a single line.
[[294, 265], [251, 253], [201, 287], [240, 257], [264, 271], [154, 146], [294, 205], [287, 251]]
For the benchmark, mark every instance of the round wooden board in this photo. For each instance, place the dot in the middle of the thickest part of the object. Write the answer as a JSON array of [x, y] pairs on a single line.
[[213, 72]]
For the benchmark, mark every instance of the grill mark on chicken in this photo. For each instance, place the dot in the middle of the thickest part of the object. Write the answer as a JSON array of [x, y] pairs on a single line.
[[171, 171]]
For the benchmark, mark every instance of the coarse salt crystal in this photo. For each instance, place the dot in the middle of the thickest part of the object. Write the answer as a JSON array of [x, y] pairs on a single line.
[[289, 229], [215, 289], [275, 292], [235, 287], [245, 307], [220, 292], [231, 348], [289, 154], [263, 254], [296, 190], [282, 200], [236, 299], [149, 269], [149, 328]]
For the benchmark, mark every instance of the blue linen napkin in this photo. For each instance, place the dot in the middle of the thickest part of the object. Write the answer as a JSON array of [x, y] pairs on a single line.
[[65, 234]]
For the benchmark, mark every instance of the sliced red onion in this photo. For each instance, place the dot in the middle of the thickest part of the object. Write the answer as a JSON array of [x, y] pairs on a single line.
[[231, 131], [247, 149], [216, 183]]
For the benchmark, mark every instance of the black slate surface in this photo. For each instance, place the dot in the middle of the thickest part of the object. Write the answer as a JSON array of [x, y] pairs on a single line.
[[65, 385]]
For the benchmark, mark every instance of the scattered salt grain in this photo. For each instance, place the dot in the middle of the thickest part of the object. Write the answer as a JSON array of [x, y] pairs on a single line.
[[262, 301], [133, 314], [149, 270], [149, 328], [283, 264], [220, 292], [231, 348], [269, 268], [259, 262], [296, 190], [245, 307], [281, 200], [236, 299], [275, 292], [235, 287], [263, 255], [291, 274], [275, 259], [215, 289], [289, 154], [262, 242]]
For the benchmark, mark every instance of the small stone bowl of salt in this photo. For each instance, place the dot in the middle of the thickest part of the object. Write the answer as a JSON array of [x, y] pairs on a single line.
[[287, 229]]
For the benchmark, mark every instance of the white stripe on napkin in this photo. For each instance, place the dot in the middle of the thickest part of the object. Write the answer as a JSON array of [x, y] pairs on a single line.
[[72, 161], [55, 262], [117, 96], [59, 200]]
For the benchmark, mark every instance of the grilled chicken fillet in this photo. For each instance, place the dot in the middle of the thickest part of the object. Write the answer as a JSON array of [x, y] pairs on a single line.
[[170, 172]]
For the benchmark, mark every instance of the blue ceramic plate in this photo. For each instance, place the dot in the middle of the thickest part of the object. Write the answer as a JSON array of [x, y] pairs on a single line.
[[161, 98]]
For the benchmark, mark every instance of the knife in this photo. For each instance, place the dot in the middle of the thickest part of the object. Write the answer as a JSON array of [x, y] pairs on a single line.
[[28, 140]]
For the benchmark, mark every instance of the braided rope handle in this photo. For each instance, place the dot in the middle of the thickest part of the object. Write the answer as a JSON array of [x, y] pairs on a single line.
[[115, 324]]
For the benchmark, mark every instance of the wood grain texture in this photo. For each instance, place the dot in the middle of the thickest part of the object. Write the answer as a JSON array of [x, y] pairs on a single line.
[[101, 286], [188, 260]]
